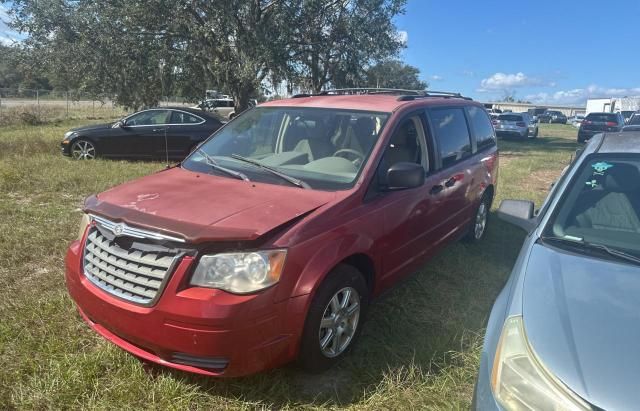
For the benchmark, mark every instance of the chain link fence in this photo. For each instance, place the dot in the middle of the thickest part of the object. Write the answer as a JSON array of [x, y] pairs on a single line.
[[31, 106]]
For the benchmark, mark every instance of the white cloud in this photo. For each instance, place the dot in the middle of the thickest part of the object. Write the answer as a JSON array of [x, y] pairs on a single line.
[[7, 35], [403, 36], [436, 77], [504, 81], [580, 95]]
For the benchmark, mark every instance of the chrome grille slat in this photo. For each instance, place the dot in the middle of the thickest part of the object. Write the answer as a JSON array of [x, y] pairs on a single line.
[[121, 274], [132, 274], [136, 256]]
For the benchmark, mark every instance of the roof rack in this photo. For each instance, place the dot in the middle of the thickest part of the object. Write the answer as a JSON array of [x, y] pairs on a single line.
[[404, 95], [434, 93]]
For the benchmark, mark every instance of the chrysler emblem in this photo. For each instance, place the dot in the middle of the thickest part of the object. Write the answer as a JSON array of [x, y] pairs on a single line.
[[118, 229]]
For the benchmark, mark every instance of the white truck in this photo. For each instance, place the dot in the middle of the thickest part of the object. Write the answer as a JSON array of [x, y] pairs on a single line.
[[613, 104]]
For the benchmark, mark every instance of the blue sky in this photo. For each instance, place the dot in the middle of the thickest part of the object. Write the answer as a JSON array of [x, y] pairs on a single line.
[[546, 51]]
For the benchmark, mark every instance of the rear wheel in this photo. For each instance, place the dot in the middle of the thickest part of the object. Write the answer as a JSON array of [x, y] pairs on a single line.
[[82, 149], [479, 223], [334, 319]]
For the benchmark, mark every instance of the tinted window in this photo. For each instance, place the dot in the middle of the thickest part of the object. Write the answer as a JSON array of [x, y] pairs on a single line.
[[482, 127], [179, 117], [452, 134], [635, 120], [510, 117], [602, 117], [149, 117]]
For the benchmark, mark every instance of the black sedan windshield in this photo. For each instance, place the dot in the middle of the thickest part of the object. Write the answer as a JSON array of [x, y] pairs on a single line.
[[602, 205], [321, 148]]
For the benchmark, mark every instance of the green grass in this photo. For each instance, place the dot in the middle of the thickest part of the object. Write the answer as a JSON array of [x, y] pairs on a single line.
[[419, 349]]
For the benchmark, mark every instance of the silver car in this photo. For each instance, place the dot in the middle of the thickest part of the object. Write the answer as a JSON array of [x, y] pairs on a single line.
[[520, 125], [563, 334]]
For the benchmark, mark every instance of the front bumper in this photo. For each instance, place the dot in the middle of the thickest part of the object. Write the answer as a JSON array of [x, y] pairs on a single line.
[[65, 148], [193, 329]]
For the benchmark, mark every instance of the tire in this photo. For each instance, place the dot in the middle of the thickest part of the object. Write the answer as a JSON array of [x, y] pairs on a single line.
[[83, 149], [478, 226], [332, 305]]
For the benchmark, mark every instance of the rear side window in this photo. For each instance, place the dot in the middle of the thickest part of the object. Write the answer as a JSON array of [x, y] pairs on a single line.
[[635, 120], [452, 134], [179, 117], [602, 117], [482, 128]]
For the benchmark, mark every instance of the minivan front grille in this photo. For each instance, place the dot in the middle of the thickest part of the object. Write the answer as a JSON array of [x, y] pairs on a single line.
[[124, 270]]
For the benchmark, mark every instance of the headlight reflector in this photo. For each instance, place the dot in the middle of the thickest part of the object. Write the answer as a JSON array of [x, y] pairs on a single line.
[[519, 381], [84, 222], [240, 273]]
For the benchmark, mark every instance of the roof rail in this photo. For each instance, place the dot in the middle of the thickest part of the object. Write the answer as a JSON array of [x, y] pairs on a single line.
[[434, 93], [362, 90]]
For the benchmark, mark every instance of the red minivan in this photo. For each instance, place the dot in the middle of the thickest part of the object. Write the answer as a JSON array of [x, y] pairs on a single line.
[[268, 242]]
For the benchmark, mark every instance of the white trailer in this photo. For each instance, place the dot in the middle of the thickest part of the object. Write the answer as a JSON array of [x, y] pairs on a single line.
[[613, 104]]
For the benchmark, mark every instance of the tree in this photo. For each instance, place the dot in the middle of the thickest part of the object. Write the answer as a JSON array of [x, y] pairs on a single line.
[[394, 74], [138, 50], [334, 41]]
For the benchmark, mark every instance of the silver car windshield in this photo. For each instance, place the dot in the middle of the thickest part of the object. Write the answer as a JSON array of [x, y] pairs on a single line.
[[602, 204], [324, 148]]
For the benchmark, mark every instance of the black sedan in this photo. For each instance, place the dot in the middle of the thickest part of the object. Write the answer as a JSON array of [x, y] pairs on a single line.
[[156, 133]]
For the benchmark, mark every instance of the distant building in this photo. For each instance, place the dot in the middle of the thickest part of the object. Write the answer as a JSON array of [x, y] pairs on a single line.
[[524, 107]]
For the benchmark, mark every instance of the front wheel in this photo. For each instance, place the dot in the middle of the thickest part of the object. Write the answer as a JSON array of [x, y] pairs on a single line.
[[334, 319], [479, 224], [82, 149]]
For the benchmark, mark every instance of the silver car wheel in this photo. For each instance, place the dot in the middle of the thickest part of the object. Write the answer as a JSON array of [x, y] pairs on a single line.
[[83, 150], [339, 322], [481, 221]]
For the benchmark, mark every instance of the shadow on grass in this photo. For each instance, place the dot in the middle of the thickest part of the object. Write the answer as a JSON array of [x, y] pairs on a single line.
[[419, 323], [541, 144]]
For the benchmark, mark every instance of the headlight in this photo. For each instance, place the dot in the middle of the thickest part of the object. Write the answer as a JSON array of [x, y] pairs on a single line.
[[519, 381], [240, 273], [68, 134], [84, 222]]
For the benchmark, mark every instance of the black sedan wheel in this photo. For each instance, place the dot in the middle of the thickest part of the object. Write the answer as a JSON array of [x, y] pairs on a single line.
[[83, 150]]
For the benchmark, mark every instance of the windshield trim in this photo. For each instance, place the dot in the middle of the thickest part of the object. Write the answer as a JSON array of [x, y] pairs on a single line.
[[386, 114]]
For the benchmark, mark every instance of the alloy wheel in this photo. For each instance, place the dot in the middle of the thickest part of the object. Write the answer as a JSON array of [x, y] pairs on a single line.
[[83, 150], [481, 221], [339, 322]]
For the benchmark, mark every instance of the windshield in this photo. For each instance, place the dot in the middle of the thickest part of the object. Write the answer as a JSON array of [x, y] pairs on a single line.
[[602, 204], [322, 148]]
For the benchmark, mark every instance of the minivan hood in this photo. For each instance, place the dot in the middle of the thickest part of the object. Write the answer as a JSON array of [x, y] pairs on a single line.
[[582, 318], [201, 207]]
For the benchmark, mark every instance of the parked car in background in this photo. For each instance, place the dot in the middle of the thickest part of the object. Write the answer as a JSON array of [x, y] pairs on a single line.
[[595, 123], [576, 120], [156, 133], [552, 116], [536, 112], [223, 107], [563, 333], [626, 114], [633, 124], [519, 125], [269, 241]]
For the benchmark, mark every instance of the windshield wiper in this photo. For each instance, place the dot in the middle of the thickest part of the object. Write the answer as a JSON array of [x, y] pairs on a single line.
[[292, 180], [214, 164], [576, 241]]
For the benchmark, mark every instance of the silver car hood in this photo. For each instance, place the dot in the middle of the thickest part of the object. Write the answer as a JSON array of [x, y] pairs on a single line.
[[582, 318]]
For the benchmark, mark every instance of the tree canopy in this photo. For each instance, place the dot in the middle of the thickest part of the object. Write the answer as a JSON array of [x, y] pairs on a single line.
[[138, 50]]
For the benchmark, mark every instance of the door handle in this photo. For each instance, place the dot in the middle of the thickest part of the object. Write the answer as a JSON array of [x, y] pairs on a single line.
[[436, 189], [160, 129], [450, 182]]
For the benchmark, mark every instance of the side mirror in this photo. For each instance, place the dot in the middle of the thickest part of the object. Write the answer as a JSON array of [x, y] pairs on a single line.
[[519, 213], [405, 175], [119, 124]]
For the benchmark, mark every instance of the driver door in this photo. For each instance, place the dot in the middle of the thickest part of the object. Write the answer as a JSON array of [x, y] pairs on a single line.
[[142, 132]]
